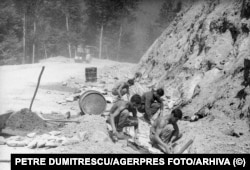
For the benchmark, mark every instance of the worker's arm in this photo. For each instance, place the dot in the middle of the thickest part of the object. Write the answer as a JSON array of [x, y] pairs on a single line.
[[176, 131], [120, 89], [147, 105], [128, 93], [160, 100], [112, 118], [158, 131], [134, 112]]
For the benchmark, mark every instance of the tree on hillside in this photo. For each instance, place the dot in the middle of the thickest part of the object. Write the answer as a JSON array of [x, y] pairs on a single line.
[[42, 28], [10, 32], [106, 18], [21, 8], [68, 9], [36, 7]]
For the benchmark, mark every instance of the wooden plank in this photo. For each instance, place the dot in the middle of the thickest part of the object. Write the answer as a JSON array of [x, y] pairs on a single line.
[[185, 146], [5, 161], [61, 120], [138, 147]]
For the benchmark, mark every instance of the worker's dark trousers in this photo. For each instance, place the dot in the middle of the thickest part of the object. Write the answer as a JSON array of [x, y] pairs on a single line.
[[153, 109]]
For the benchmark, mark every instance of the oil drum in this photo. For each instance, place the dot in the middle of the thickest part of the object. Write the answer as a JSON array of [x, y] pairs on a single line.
[[91, 74]]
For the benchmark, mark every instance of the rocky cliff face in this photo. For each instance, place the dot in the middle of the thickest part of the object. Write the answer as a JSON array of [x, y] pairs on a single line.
[[199, 58]]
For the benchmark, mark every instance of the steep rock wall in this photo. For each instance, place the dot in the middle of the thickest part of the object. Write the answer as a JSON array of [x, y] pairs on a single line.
[[198, 59]]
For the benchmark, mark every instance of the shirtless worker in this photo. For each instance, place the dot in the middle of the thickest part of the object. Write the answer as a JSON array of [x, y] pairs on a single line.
[[122, 88], [137, 77], [120, 116], [165, 131], [151, 103]]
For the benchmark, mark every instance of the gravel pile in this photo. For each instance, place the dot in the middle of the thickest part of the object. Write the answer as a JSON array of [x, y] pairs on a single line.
[[26, 121]]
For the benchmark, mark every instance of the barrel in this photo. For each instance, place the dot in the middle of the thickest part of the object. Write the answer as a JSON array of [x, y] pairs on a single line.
[[92, 102], [91, 74]]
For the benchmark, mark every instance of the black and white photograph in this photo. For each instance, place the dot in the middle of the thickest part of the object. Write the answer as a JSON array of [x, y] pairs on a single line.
[[124, 77]]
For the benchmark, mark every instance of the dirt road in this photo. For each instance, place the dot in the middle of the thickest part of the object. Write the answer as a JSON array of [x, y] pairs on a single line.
[[18, 83], [61, 78]]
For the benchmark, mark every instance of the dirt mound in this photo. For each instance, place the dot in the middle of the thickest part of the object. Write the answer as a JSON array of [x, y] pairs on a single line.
[[26, 121]]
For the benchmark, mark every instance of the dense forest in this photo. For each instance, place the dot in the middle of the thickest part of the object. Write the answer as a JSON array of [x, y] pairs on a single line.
[[120, 30]]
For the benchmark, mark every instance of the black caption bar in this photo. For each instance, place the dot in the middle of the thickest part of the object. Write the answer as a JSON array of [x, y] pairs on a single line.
[[78, 161]]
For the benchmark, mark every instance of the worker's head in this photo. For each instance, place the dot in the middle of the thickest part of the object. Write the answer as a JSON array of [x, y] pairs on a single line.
[[136, 100], [138, 76], [130, 82], [176, 115], [159, 92]]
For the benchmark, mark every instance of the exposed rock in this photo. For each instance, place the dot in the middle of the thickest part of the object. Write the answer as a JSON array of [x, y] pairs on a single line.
[[45, 136], [41, 143], [2, 140], [231, 132], [60, 102], [16, 138], [51, 144], [200, 55], [77, 91], [32, 144], [70, 99], [70, 141], [14, 143], [31, 135], [55, 133]]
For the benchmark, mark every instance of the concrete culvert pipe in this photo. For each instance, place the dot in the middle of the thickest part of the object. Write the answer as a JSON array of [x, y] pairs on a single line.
[[92, 102]]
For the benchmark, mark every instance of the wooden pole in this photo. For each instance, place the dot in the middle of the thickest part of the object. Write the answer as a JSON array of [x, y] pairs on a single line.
[[185, 146], [60, 120], [36, 88], [4, 161]]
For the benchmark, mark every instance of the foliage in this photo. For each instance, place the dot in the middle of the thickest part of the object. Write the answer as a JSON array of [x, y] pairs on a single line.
[[85, 19], [168, 11]]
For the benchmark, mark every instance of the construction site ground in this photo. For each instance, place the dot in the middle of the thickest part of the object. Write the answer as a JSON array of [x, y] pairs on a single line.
[[62, 77]]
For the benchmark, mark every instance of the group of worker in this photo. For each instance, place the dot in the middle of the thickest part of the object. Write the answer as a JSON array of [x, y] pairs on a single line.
[[163, 129]]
